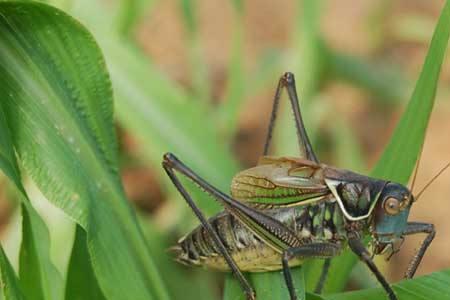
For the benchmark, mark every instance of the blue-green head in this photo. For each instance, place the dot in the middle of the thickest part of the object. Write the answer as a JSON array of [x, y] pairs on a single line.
[[391, 217]]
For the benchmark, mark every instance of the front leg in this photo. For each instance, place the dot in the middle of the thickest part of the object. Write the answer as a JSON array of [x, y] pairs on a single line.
[[359, 249], [171, 164], [316, 250], [414, 228]]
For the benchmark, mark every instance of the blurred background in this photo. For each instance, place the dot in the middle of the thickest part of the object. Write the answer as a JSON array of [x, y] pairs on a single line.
[[197, 78]]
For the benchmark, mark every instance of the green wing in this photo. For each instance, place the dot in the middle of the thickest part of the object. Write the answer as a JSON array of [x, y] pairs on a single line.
[[280, 182]]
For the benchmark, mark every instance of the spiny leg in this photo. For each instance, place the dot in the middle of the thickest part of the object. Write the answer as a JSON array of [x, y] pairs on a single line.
[[323, 276], [169, 164], [414, 228], [360, 250], [288, 81], [268, 229], [325, 250]]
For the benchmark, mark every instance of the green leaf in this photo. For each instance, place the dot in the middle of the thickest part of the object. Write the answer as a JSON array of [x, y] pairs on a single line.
[[81, 283], [268, 285], [38, 276], [8, 162], [57, 98], [198, 68], [159, 114], [406, 142], [130, 13], [236, 85], [183, 282], [8, 279], [271, 285], [380, 80], [433, 286], [310, 296], [157, 111]]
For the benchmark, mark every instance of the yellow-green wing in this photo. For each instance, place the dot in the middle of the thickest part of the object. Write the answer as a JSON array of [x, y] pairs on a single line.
[[280, 182]]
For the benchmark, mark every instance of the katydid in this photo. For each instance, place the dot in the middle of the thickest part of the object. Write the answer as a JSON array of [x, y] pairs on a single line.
[[287, 210]]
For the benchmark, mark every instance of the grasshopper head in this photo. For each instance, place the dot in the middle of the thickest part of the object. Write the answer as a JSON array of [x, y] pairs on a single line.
[[391, 216]]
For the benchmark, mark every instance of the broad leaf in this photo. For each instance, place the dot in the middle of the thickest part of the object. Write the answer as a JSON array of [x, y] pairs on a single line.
[[157, 111], [38, 276], [57, 98]]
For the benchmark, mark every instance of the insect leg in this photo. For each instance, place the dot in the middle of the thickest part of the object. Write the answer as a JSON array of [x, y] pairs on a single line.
[[169, 164], [271, 231], [413, 228], [324, 250], [359, 249], [323, 276], [288, 81]]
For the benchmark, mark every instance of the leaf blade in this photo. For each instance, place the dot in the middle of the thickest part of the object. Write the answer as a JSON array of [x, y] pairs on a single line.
[[433, 286], [409, 133], [39, 278], [80, 273], [407, 139], [8, 279], [64, 136]]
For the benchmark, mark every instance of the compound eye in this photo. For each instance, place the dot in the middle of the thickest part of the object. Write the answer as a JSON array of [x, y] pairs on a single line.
[[392, 206]]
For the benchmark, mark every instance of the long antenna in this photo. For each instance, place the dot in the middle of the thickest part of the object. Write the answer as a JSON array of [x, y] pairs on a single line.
[[417, 169], [432, 180]]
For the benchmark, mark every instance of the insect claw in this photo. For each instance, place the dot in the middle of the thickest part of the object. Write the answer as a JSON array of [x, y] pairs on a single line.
[[168, 156], [169, 159], [251, 295], [288, 77]]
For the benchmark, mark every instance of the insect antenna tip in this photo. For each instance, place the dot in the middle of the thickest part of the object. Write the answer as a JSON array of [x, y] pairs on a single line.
[[431, 181]]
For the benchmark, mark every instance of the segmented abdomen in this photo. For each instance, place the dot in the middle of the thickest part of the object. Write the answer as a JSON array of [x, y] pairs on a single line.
[[248, 251], [320, 222]]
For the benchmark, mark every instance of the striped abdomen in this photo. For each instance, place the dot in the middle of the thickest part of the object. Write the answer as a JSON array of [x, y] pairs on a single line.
[[321, 222]]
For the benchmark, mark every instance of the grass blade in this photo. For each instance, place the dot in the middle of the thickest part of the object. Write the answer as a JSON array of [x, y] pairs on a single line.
[[406, 142], [236, 86], [271, 285], [268, 285], [433, 286], [198, 68], [381, 80], [39, 278], [58, 102], [81, 282], [8, 279]]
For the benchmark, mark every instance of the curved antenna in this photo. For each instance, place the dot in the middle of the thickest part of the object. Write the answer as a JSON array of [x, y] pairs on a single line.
[[432, 180]]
